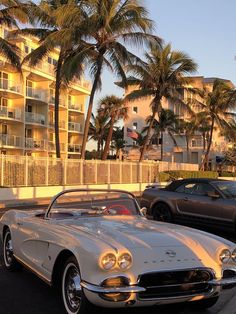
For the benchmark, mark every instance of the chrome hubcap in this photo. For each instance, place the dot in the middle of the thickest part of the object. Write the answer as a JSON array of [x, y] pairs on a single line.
[[73, 288], [8, 250]]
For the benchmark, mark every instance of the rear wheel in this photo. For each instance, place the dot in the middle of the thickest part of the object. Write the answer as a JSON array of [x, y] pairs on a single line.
[[204, 304], [161, 212], [74, 299], [9, 260]]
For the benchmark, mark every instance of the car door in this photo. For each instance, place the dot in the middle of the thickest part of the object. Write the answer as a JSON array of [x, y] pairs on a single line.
[[194, 201]]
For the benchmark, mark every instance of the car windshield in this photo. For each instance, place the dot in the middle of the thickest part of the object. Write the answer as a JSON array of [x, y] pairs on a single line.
[[228, 188], [93, 203]]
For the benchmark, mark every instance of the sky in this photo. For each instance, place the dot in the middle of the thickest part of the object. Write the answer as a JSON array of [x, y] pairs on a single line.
[[204, 29]]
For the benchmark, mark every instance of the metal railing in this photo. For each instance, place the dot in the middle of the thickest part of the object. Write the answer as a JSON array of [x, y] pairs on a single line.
[[52, 146], [11, 140], [62, 102], [33, 143], [10, 86], [62, 124], [32, 171], [11, 113], [36, 93], [32, 117], [75, 127], [77, 107], [74, 148]]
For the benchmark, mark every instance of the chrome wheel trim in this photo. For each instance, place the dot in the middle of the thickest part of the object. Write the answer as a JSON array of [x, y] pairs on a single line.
[[8, 249], [71, 288]]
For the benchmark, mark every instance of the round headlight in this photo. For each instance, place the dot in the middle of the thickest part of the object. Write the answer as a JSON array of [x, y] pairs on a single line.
[[125, 261], [225, 255], [233, 255], [108, 261]]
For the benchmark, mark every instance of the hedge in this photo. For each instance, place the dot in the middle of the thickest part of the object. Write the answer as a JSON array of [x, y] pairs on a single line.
[[173, 175]]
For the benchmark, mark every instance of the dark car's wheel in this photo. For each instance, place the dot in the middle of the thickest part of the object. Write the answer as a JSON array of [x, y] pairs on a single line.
[[161, 212], [74, 299], [8, 256], [204, 304]]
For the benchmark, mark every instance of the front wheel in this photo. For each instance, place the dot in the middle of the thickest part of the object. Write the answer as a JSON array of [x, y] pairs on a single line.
[[161, 212], [8, 256], [74, 299]]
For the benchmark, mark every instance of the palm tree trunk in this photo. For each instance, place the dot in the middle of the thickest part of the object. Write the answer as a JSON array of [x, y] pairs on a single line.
[[162, 147], [98, 148], [90, 106], [57, 99], [206, 157], [109, 137], [147, 136]]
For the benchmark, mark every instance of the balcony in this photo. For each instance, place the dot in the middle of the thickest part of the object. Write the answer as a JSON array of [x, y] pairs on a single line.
[[32, 143], [52, 146], [11, 87], [75, 107], [197, 143], [31, 117], [75, 127], [82, 83], [61, 102], [74, 148], [11, 140], [62, 124], [38, 94], [8, 113]]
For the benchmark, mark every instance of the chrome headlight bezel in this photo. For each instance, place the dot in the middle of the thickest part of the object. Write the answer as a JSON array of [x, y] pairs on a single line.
[[233, 255], [125, 261], [108, 261], [225, 256]]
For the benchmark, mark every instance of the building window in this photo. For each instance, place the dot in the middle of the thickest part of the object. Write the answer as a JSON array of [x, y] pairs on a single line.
[[49, 60], [4, 102], [135, 126], [4, 129], [29, 108], [54, 62], [135, 109]]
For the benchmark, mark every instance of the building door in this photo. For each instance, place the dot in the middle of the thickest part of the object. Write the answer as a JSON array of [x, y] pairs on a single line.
[[178, 157], [4, 80], [194, 157]]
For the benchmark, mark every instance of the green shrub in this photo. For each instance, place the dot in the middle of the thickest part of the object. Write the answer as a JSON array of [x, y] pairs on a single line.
[[228, 174], [173, 175]]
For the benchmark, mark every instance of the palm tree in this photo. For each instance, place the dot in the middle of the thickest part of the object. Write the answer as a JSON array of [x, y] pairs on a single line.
[[167, 122], [12, 11], [160, 76], [111, 25], [98, 126], [118, 142], [56, 21], [218, 106], [115, 108], [188, 128]]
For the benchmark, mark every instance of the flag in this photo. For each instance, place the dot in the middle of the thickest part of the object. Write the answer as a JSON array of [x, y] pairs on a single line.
[[132, 134]]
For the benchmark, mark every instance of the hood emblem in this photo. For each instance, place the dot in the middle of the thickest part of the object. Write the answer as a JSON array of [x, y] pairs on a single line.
[[171, 253]]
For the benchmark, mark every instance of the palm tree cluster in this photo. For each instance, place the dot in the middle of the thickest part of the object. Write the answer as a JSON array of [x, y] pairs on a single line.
[[94, 35]]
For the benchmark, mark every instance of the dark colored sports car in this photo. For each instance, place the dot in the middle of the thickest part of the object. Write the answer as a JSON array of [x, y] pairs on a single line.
[[204, 201]]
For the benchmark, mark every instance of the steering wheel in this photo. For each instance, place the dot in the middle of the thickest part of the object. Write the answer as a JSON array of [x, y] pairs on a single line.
[[120, 209]]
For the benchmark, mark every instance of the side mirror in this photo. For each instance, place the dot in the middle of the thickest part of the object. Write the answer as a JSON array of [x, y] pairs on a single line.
[[143, 211], [213, 194]]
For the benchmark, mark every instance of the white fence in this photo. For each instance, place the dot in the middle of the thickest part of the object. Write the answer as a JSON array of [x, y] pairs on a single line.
[[28, 171]]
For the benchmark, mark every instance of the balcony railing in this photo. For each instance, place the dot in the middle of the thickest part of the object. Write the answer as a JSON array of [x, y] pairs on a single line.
[[32, 117], [38, 94], [83, 83], [197, 143], [11, 86], [33, 143], [61, 102], [11, 140], [74, 148], [76, 107], [62, 124], [14, 113], [52, 146], [75, 126]]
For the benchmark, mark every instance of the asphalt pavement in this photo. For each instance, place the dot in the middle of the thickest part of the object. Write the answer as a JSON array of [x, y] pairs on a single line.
[[24, 293]]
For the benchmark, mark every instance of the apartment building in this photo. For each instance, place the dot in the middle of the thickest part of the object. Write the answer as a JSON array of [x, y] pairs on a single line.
[[27, 107], [139, 110]]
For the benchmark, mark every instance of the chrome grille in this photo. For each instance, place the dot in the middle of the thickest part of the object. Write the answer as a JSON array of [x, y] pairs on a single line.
[[175, 283]]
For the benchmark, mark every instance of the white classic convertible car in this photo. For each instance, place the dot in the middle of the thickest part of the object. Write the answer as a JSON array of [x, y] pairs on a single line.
[[98, 247]]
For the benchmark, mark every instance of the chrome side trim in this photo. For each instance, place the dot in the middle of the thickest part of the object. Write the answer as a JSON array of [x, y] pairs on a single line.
[[99, 289], [38, 274], [223, 282]]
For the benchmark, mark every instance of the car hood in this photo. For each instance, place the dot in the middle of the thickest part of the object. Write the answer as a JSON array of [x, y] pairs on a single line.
[[138, 232]]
